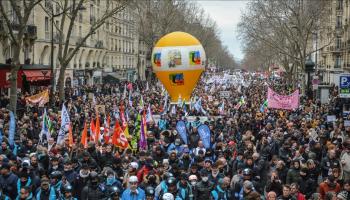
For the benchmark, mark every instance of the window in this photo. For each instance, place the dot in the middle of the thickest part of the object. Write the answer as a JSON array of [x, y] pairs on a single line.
[[46, 24], [79, 31], [80, 17], [339, 4], [338, 43], [339, 22], [57, 8], [337, 62]]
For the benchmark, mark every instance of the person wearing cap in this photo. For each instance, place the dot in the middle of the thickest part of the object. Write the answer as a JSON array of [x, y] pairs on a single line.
[[178, 146], [186, 158], [204, 186], [93, 190], [45, 191], [329, 185], [8, 180], [133, 191], [112, 182]]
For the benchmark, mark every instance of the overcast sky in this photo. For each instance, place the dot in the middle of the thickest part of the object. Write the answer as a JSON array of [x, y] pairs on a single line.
[[227, 15]]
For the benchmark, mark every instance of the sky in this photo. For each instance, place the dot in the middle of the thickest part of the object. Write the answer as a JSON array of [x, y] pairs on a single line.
[[227, 15]]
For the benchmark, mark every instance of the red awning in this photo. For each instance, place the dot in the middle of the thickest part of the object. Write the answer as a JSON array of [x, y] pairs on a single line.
[[37, 75]]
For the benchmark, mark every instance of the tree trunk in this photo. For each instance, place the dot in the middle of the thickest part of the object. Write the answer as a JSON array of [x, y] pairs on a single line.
[[61, 82], [13, 78]]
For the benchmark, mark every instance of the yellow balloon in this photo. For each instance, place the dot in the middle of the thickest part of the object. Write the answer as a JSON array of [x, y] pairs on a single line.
[[178, 59]]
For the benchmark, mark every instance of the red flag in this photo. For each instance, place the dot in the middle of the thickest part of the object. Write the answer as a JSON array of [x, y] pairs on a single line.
[[70, 135], [119, 138], [84, 136], [106, 135], [97, 131], [129, 86], [92, 130]]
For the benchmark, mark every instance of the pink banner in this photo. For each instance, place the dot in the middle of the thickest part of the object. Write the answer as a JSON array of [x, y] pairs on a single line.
[[289, 102]]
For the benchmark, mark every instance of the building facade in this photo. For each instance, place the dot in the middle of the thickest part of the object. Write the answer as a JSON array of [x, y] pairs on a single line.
[[112, 50], [333, 57]]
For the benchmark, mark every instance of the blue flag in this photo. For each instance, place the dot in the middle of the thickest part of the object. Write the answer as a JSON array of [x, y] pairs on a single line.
[[204, 133], [0, 136], [181, 129], [12, 129]]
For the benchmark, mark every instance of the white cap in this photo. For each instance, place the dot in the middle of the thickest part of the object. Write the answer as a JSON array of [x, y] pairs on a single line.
[[168, 196], [134, 165], [192, 177], [133, 179]]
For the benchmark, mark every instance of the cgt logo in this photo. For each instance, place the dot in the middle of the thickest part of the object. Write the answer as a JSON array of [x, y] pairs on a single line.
[[176, 79]]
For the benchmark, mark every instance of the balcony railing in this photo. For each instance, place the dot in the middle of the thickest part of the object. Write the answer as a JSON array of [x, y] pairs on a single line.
[[31, 32], [99, 44]]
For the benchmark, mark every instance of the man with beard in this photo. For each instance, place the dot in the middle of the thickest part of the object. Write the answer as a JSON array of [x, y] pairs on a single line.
[[45, 192], [25, 194], [204, 187], [133, 192], [6, 151], [286, 195], [93, 189]]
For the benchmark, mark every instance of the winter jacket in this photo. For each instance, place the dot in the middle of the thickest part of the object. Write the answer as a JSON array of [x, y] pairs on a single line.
[[10, 185], [324, 188], [50, 194], [139, 195], [89, 192], [293, 176], [203, 190]]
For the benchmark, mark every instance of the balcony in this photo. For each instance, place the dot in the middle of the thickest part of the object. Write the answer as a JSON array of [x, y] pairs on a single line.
[[336, 49], [99, 44], [92, 20], [80, 41], [30, 32]]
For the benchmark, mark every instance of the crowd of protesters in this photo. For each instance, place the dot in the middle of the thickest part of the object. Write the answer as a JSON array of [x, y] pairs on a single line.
[[254, 154]]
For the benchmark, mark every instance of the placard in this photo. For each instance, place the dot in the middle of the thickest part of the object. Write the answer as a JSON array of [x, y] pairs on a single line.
[[225, 94], [347, 123], [100, 109], [331, 118]]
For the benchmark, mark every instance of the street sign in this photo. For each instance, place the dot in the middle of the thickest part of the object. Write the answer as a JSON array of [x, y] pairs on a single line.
[[344, 86]]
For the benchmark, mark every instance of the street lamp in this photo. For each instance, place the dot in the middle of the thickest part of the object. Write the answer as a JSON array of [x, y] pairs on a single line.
[[309, 67]]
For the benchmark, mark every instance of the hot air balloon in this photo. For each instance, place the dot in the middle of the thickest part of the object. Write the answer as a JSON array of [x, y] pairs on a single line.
[[178, 60]]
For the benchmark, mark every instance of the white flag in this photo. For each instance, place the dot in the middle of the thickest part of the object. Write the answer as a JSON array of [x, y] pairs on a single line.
[[124, 93], [65, 121], [149, 116], [173, 110]]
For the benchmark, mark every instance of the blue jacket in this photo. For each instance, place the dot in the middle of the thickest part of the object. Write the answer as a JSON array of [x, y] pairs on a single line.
[[52, 194], [219, 194], [140, 195]]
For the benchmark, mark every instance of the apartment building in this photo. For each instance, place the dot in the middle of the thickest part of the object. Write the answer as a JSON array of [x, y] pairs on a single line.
[[112, 50], [334, 41]]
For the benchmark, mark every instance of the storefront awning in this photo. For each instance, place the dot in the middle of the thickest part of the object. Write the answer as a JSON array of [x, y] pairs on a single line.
[[37, 75]]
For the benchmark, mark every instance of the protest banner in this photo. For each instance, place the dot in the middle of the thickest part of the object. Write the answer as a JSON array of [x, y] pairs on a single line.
[[287, 102]]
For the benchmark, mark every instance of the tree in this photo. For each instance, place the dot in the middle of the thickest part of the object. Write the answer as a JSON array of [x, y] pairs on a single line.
[[71, 9], [286, 27], [16, 15], [185, 16]]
